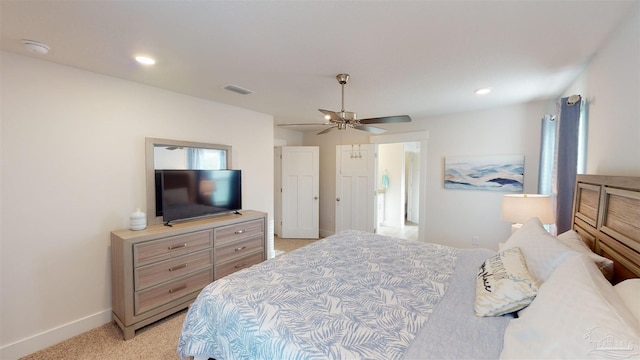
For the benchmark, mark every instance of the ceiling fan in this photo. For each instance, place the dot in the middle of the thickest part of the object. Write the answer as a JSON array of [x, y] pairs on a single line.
[[346, 119]]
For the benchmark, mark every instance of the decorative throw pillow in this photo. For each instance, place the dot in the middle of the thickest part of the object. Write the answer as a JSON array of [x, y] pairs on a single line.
[[542, 251], [504, 284], [571, 239]]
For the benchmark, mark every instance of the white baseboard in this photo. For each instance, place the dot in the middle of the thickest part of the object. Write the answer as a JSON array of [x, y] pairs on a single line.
[[53, 336]]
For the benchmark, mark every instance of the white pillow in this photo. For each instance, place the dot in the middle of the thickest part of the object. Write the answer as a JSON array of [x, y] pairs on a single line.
[[503, 284], [629, 292], [542, 251], [571, 239], [576, 315]]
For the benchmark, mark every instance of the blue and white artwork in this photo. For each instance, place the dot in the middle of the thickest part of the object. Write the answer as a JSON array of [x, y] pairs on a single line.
[[495, 173]]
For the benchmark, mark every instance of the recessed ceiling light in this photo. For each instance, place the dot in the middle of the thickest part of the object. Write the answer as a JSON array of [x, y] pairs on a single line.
[[483, 91], [145, 60]]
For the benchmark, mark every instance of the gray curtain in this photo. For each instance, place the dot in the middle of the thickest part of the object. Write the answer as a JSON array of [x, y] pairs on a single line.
[[566, 164], [562, 156], [547, 154]]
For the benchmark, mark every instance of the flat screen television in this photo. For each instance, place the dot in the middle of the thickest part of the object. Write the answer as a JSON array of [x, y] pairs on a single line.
[[185, 194]]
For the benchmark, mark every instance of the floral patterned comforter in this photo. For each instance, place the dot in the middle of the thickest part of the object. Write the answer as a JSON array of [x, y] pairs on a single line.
[[354, 295]]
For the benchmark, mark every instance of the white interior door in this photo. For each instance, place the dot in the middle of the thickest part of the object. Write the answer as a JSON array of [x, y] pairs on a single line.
[[413, 187], [277, 190], [300, 189], [355, 187]]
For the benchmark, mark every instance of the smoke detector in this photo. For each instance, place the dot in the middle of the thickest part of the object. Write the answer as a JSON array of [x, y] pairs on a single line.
[[36, 47]]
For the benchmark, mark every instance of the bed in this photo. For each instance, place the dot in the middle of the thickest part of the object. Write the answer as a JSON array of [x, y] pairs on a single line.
[[357, 295]]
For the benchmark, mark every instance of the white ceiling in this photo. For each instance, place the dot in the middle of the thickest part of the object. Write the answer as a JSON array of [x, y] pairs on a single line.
[[418, 58]]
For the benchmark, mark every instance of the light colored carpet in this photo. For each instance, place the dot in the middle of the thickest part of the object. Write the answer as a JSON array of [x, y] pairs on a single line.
[[157, 341], [285, 245]]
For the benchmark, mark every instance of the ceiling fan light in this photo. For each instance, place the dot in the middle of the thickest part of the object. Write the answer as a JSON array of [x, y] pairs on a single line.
[[327, 117]]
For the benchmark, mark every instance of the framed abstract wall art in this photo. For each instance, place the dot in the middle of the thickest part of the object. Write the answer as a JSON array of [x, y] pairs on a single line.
[[493, 173]]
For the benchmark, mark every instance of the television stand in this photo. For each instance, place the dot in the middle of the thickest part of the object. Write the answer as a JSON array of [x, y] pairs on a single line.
[[160, 270]]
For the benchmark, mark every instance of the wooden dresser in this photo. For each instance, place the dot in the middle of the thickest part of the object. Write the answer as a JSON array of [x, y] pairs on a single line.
[[160, 270]]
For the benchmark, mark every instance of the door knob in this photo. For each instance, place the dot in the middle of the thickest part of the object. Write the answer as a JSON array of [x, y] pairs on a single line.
[[337, 199], [315, 198]]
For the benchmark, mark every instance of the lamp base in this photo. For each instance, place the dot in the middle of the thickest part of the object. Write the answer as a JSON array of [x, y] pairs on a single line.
[[515, 227]]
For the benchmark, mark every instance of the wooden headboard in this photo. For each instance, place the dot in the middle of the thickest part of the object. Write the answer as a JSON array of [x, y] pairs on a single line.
[[606, 214]]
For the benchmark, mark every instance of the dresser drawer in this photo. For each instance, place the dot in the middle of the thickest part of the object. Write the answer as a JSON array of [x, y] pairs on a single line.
[[171, 247], [240, 263], [156, 296], [243, 247], [156, 273], [229, 233]]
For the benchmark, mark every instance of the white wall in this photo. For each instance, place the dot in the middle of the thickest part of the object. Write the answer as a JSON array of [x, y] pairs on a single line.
[[286, 137], [509, 130], [611, 87], [454, 216], [73, 169]]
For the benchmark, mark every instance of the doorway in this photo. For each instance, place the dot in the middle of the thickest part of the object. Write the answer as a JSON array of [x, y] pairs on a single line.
[[398, 190], [401, 200]]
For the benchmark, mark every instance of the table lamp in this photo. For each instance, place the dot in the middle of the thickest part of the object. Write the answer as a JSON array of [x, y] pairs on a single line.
[[518, 208]]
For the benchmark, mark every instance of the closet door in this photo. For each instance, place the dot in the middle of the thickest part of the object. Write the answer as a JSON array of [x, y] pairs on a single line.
[[355, 187], [300, 192]]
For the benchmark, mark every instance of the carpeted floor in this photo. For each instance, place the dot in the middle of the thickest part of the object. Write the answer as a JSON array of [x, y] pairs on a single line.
[[157, 341]]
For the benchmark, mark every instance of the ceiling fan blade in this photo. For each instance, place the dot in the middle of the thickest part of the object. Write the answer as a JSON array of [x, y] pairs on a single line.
[[386, 119], [326, 130], [331, 114], [305, 124], [371, 129]]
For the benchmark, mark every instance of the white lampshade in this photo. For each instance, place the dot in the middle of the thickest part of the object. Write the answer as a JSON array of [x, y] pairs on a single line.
[[518, 208]]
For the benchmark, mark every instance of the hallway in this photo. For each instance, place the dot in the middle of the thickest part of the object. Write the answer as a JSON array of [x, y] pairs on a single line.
[[409, 231]]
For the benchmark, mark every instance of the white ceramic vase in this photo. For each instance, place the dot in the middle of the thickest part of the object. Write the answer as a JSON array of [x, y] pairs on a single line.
[[138, 220]]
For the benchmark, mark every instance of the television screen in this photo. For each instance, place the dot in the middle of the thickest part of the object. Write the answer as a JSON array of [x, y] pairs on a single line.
[[183, 194]]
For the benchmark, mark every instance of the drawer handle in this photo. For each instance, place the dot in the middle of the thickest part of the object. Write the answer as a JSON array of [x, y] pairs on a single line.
[[239, 232], [178, 267], [240, 265], [178, 289], [173, 247], [240, 248]]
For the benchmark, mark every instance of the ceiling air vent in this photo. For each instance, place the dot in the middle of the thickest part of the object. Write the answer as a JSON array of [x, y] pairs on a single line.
[[238, 89]]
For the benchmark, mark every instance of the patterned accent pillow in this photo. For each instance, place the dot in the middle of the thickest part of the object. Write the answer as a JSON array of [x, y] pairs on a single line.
[[504, 284]]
